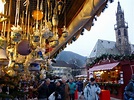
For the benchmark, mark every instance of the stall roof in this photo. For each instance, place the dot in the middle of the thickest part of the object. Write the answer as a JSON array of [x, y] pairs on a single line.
[[104, 67]]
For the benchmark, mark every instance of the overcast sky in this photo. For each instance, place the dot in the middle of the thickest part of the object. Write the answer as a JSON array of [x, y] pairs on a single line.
[[104, 28]]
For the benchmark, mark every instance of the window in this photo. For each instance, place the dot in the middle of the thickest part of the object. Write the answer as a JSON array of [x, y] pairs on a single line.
[[121, 16], [94, 50], [119, 40], [125, 32], [119, 32]]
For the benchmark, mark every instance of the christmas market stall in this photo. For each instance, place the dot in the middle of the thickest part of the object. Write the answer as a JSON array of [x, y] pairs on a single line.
[[112, 73]]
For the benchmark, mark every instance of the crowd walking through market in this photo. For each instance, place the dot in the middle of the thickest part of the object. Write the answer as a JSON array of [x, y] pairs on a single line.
[[51, 89], [57, 89]]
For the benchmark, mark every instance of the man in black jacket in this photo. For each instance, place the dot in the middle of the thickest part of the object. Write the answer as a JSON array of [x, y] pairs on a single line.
[[43, 90]]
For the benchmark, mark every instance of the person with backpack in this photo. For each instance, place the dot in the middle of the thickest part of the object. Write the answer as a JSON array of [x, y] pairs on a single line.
[[92, 90], [129, 90]]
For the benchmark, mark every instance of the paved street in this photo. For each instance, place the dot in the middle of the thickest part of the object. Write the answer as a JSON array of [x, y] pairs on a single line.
[[114, 98]]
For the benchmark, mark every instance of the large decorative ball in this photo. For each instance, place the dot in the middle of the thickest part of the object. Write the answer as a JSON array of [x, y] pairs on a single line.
[[24, 48], [37, 15]]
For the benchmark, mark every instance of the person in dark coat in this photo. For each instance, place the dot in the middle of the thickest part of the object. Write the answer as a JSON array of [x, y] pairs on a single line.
[[129, 90], [80, 86], [58, 91], [65, 89], [43, 90]]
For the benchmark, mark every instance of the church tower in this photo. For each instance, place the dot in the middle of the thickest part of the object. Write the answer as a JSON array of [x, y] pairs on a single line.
[[122, 42]]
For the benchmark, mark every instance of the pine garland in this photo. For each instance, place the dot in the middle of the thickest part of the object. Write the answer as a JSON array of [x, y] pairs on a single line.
[[110, 56]]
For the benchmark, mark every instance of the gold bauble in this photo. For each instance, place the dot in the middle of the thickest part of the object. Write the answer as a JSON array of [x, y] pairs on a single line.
[[11, 72]]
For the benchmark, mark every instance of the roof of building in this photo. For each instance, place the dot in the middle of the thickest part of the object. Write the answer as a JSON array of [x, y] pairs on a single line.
[[106, 47], [60, 63]]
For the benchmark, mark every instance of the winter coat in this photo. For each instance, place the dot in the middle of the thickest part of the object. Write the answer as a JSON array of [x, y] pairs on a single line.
[[72, 87], [43, 91], [129, 90], [87, 92], [65, 91]]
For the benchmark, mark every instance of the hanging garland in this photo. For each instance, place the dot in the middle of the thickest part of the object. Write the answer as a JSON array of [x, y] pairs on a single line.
[[110, 56]]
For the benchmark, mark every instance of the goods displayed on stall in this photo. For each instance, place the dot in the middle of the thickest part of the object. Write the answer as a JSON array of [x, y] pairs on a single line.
[[107, 73], [28, 40], [25, 45]]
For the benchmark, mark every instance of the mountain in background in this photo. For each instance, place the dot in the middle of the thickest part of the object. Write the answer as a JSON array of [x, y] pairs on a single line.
[[72, 58]]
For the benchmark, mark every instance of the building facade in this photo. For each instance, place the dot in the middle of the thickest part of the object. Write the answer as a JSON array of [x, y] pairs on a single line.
[[119, 47]]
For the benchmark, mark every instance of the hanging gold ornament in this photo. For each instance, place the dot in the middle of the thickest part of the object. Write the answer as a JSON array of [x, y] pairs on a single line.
[[10, 72], [54, 43], [64, 32], [37, 14], [3, 42], [16, 33], [46, 33]]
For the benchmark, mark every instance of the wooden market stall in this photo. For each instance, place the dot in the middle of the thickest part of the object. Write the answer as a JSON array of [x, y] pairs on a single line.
[[113, 75]]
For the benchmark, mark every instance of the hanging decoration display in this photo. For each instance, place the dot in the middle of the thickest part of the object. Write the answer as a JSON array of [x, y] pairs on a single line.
[[32, 36]]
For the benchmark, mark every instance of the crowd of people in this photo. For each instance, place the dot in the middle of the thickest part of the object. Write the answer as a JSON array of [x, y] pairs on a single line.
[[57, 89], [68, 89]]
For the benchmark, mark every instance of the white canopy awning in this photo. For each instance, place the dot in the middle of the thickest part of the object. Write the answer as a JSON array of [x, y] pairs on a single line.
[[104, 67]]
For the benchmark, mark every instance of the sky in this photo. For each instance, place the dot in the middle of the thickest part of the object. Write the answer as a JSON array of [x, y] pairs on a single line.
[[104, 28]]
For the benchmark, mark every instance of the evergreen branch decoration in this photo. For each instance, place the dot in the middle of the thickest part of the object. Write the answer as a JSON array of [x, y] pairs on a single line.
[[110, 56]]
